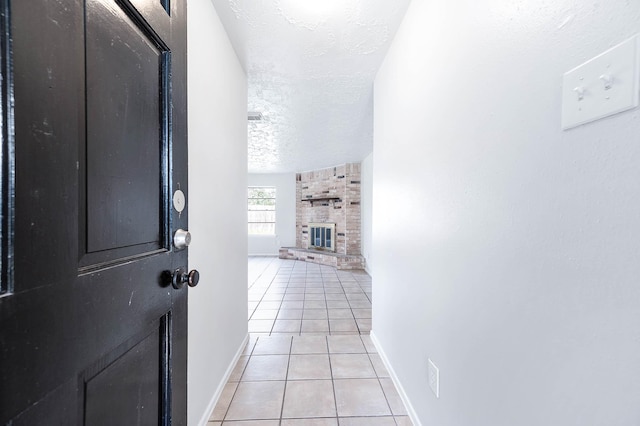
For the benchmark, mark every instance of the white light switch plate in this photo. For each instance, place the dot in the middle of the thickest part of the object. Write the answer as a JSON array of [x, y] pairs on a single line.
[[434, 378], [586, 98]]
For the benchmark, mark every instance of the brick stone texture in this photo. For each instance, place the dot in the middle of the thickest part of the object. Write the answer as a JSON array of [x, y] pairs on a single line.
[[341, 182]]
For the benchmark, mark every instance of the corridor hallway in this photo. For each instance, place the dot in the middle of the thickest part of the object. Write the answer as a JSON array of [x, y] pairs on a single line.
[[310, 360]]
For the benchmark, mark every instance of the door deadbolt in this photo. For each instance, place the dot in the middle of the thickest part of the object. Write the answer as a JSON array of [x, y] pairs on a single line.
[[181, 239]]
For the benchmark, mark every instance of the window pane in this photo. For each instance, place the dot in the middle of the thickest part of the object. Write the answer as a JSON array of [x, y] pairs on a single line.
[[261, 210], [262, 203], [262, 216], [262, 192], [262, 228]]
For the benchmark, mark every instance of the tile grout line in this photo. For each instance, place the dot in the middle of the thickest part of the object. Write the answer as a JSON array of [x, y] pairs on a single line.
[[226, 412], [386, 398], [333, 383], [326, 306], [265, 291], [281, 301], [286, 381]]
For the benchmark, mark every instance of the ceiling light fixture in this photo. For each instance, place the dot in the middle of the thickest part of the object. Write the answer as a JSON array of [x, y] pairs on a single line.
[[254, 116]]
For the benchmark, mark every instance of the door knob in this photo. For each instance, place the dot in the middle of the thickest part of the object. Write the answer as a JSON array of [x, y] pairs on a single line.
[[180, 277], [181, 239], [193, 278]]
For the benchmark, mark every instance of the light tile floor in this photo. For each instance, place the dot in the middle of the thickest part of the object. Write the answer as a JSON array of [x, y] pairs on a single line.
[[309, 360]]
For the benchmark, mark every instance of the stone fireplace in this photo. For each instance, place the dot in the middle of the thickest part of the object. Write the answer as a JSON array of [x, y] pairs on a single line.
[[328, 210]]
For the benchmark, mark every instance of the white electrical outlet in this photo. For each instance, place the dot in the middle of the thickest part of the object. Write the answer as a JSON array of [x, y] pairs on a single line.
[[434, 378]]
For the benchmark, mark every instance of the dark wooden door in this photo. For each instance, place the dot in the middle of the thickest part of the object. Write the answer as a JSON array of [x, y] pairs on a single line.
[[94, 146]]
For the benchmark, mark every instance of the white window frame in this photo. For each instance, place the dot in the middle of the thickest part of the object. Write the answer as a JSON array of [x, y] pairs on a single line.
[[272, 224]]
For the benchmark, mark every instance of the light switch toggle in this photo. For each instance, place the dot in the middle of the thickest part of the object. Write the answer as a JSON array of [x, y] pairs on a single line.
[[610, 84], [607, 80]]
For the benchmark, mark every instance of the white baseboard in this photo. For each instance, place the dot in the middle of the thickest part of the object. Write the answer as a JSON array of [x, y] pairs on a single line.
[[403, 395], [214, 400]]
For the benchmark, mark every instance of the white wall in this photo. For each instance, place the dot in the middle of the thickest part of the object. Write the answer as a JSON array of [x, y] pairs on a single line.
[[366, 211], [285, 184], [217, 217], [506, 250]]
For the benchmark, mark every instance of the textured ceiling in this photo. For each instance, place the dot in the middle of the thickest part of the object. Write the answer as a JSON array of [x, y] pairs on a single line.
[[310, 67]]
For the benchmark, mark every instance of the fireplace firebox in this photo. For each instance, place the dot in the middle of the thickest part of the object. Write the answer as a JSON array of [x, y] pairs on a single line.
[[322, 236]]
